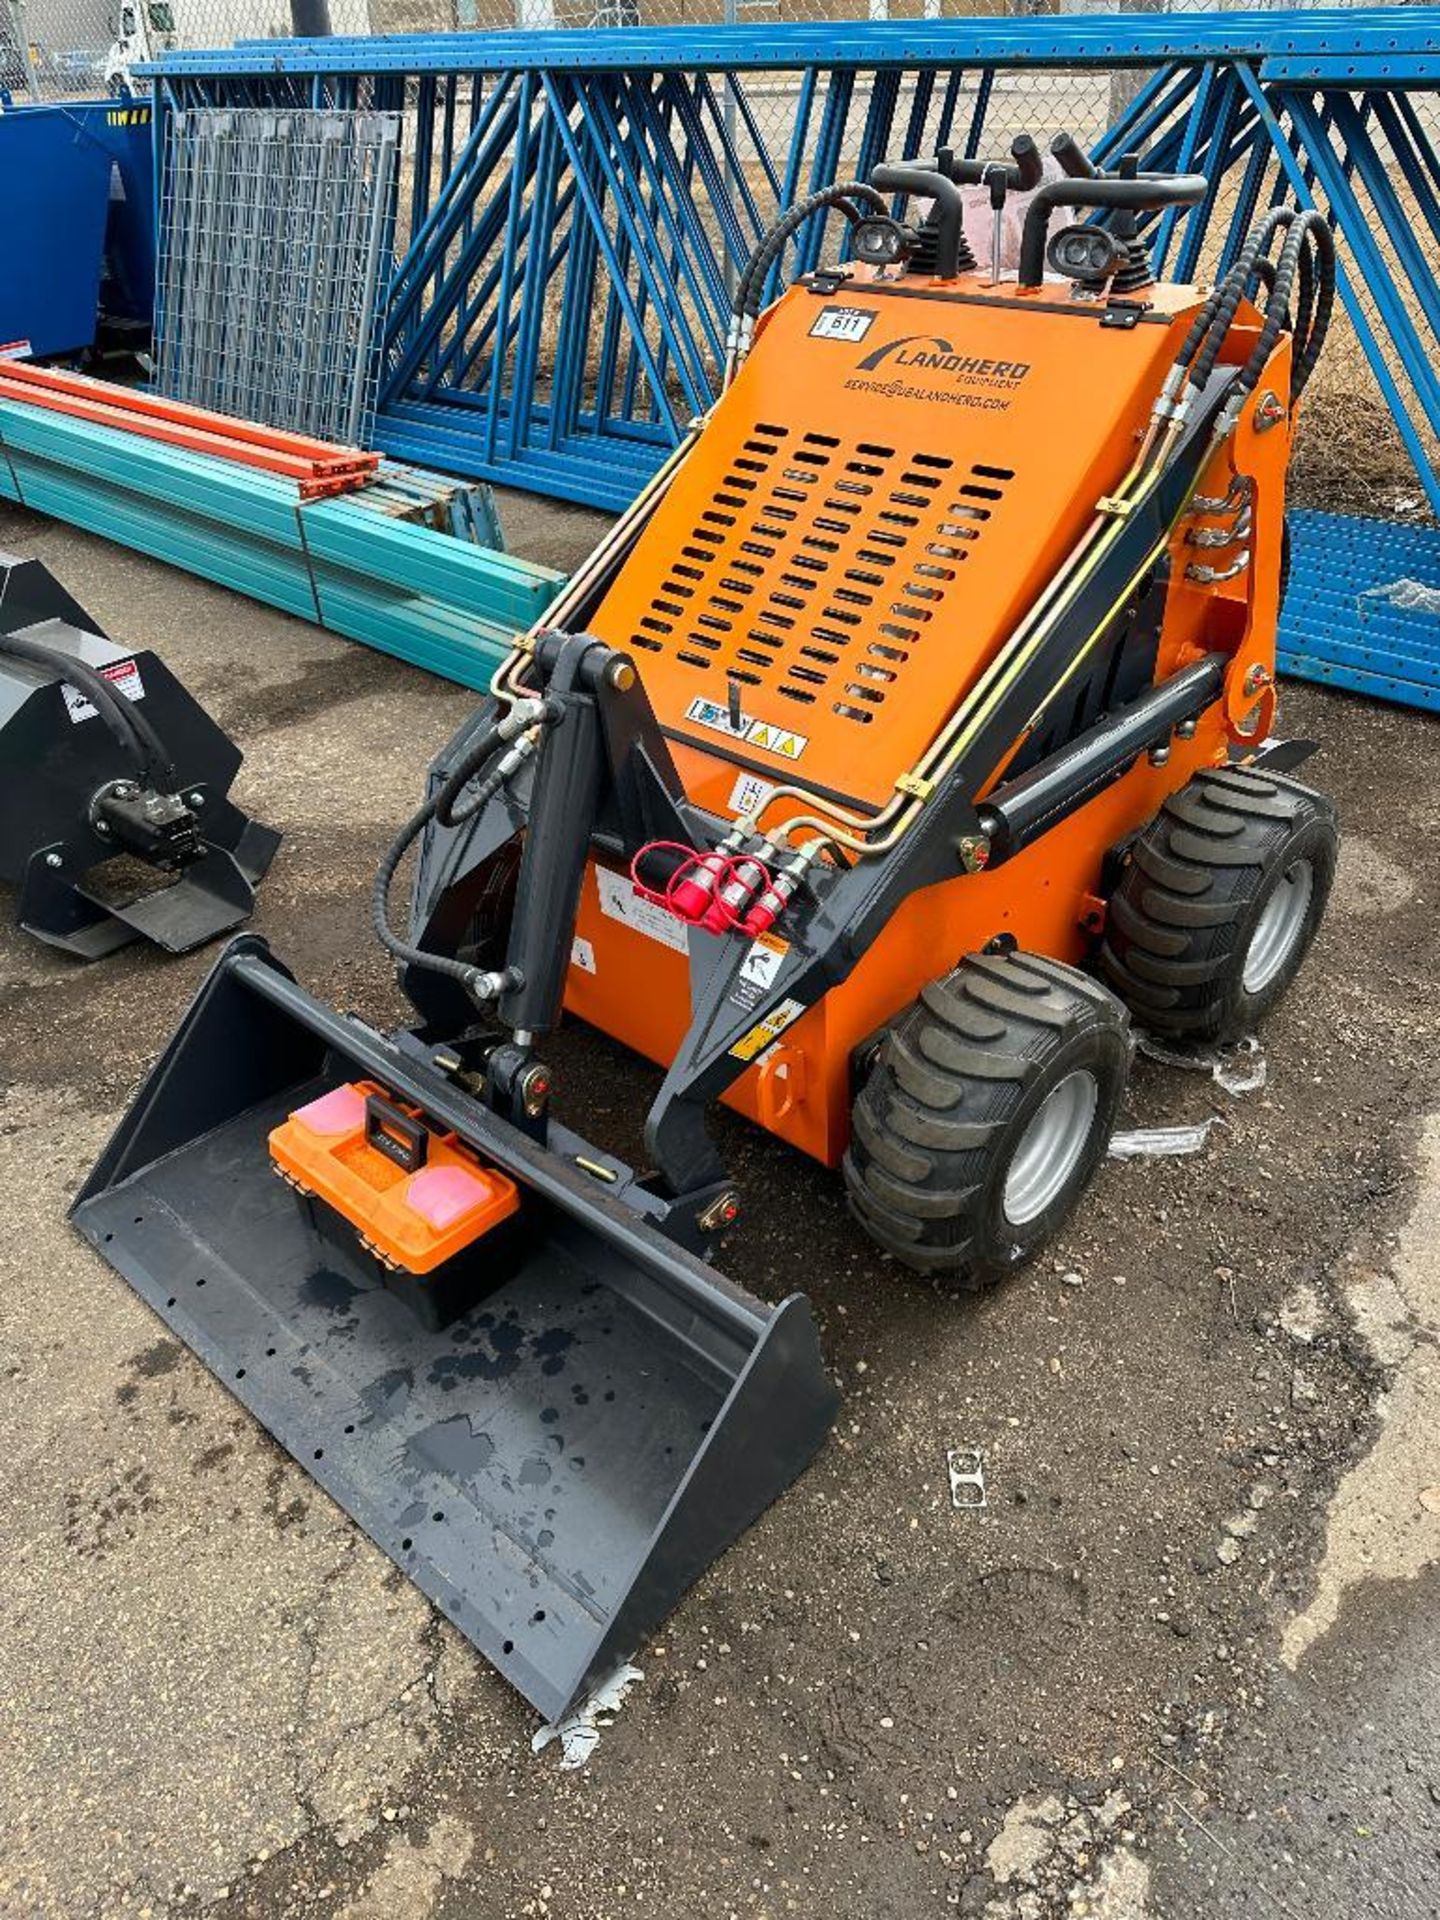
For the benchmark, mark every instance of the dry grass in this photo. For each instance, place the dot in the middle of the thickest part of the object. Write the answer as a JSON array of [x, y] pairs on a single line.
[[1349, 457]]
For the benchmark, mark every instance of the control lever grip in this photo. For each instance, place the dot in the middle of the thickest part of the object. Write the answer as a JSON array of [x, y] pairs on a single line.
[[948, 209], [1146, 193], [1074, 161]]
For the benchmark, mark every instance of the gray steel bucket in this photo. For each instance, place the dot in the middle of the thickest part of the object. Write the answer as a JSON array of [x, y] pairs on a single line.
[[553, 1469]]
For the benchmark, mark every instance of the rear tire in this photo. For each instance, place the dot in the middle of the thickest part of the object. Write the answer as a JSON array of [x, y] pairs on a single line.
[[985, 1115], [1219, 902]]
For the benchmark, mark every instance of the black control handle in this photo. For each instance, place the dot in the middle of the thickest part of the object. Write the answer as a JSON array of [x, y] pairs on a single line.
[[1027, 172], [1145, 193], [395, 1133], [1075, 163], [948, 209]]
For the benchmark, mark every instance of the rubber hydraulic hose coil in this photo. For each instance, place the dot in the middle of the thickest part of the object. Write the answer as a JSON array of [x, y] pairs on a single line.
[[847, 198], [131, 728]]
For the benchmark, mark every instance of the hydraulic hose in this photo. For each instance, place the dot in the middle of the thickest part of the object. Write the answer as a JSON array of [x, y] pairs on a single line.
[[131, 728], [1306, 265], [847, 197], [442, 803], [518, 731], [1237, 282], [1322, 250]]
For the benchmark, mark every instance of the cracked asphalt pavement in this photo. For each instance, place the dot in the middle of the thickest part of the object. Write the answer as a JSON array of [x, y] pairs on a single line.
[[1184, 1663]]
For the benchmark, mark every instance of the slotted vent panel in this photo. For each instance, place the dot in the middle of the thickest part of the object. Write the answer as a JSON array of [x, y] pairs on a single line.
[[817, 566]]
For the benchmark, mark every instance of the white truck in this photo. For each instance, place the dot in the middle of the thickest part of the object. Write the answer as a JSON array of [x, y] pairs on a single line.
[[148, 29], [144, 29]]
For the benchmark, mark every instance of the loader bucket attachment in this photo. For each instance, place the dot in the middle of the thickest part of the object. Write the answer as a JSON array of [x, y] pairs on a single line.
[[555, 1468]]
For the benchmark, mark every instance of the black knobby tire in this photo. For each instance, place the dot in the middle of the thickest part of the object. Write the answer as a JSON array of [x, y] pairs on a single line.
[[1183, 927], [938, 1126]]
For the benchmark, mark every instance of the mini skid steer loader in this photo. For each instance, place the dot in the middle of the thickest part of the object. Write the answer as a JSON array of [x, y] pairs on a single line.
[[908, 734]]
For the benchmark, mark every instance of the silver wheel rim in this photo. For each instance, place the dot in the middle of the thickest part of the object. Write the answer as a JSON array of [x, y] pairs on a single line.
[[1050, 1147], [1278, 930]]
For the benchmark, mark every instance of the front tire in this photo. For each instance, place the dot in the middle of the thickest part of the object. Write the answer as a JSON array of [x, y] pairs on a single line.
[[987, 1111], [1219, 902]]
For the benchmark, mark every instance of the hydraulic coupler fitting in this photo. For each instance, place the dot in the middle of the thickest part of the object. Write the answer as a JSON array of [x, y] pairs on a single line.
[[737, 892], [781, 889], [484, 987], [693, 898]]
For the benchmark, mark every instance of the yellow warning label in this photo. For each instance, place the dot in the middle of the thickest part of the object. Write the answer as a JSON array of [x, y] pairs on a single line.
[[779, 740], [754, 1043]]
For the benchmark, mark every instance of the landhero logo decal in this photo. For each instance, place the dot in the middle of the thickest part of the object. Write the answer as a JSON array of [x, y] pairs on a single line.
[[930, 353], [974, 381]]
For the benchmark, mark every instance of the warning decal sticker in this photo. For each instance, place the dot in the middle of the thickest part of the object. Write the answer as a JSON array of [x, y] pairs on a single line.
[[619, 901], [123, 675], [749, 792], [755, 733], [767, 1030], [758, 970]]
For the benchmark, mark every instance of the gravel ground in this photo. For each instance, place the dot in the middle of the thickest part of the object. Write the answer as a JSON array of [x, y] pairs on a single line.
[[1183, 1663]]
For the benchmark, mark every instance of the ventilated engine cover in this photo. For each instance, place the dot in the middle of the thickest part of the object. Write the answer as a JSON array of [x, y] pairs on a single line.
[[883, 490]]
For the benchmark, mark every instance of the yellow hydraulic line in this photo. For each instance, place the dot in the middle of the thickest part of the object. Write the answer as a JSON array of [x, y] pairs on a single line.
[[913, 804], [583, 582], [975, 719], [1064, 578], [960, 730]]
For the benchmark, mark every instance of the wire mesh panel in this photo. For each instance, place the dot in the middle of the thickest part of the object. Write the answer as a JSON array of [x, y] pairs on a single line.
[[277, 247]]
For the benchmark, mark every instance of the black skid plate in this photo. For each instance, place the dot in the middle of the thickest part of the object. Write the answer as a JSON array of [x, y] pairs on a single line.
[[555, 1468]]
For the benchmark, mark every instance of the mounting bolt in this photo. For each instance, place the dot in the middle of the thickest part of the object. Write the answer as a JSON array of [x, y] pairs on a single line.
[[723, 1211], [621, 675], [1159, 755], [974, 851], [1258, 678], [535, 1091], [53, 860], [1186, 729], [195, 799], [1269, 411]]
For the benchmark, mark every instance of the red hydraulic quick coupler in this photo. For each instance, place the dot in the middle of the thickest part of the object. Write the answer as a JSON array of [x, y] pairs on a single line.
[[776, 894], [693, 897], [738, 890]]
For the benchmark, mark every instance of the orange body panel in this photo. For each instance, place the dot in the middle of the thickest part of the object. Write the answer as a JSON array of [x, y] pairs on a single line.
[[853, 556], [770, 532]]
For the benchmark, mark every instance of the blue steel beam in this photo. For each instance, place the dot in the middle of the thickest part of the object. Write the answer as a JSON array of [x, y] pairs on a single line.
[[1332, 45]]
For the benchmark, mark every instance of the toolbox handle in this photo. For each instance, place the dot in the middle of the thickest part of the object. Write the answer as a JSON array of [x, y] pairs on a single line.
[[395, 1133]]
